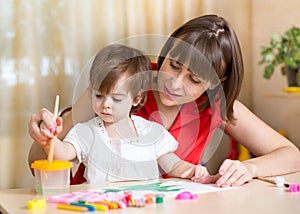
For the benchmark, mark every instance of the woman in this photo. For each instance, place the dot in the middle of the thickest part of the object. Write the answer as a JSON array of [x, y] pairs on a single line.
[[192, 103]]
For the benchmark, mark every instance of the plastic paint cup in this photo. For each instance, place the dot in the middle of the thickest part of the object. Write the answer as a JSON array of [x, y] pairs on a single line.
[[52, 178]]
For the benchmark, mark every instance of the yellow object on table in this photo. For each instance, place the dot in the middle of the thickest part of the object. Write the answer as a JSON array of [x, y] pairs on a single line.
[[291, 89], [36, 204], [72, 207]]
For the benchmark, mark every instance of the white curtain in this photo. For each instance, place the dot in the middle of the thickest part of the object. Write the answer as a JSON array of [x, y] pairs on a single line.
[[44, 47]]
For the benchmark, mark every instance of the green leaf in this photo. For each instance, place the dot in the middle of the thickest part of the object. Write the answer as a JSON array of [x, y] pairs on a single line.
[[283, 49]]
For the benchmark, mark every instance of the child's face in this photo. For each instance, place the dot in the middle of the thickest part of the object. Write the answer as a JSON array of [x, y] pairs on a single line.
[[177, 84], [114, 106]]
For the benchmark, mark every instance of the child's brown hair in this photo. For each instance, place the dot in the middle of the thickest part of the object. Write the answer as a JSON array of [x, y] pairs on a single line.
[[114, 61]]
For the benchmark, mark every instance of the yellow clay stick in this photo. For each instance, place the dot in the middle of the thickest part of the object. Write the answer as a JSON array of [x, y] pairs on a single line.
[[72, 207]]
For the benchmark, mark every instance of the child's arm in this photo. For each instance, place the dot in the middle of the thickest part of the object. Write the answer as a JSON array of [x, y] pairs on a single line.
[[62, 150], [176, 167]]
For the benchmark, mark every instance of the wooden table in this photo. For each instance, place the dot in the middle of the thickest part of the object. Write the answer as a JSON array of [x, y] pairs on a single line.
[[253, 198]]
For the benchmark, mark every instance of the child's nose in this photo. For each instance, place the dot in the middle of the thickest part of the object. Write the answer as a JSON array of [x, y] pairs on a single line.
[[107, 102]]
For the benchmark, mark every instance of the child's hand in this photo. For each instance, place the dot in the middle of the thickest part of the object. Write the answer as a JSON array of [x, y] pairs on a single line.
[[195, 173], [200, 172]]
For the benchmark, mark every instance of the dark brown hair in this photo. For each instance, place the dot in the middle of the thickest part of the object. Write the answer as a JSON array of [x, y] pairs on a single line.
[[217, 49], [114, 61]]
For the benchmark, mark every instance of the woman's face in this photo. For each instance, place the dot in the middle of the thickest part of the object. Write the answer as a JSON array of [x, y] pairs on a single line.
[[177, 85]]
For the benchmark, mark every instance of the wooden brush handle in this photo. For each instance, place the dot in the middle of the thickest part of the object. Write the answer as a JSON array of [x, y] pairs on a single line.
[[52, 141]]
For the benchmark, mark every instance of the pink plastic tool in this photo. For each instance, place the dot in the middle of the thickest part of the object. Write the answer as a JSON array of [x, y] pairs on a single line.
[[186, 195], [294, 187]]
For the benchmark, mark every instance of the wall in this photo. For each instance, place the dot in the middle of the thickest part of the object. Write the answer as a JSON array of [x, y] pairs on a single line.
[[276, 107], [254, 22]]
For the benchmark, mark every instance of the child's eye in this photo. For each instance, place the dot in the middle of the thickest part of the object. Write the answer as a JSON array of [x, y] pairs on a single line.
[[97, 95], [117, 99]]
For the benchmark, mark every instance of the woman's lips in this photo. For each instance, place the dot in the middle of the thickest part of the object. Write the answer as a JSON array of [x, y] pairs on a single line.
[[169, 93]]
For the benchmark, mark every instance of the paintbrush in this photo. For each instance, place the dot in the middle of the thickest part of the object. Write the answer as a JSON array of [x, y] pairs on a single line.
[[52, 141], [272, 181], [280, 183]]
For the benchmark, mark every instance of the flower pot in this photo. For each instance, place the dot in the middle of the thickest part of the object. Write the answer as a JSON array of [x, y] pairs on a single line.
[[291, 76]]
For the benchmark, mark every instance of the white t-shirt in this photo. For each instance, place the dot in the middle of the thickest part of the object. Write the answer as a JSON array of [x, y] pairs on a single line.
[[126, 159]]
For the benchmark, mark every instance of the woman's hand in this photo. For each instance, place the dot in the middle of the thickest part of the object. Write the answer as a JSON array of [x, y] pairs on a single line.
[[231, 173], [42, 126]]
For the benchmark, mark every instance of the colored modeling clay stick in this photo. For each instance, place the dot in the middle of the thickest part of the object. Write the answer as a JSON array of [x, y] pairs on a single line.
[[122, 204], [101, 207], [111, 205], [103, 204], [139, 202], [159, 198], [72, 207], [149, 198], [90, 207]]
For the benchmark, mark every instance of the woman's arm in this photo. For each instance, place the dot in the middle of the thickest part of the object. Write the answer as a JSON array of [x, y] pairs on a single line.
[[80, 112], [275, 154]]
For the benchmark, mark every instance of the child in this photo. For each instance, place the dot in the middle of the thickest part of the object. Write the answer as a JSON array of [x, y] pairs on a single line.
[[116, 145]]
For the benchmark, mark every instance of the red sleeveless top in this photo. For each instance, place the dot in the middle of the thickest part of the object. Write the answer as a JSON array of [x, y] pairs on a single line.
[[192, 129]]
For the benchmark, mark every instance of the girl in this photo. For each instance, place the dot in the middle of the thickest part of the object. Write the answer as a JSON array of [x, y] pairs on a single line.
[[116, 145]]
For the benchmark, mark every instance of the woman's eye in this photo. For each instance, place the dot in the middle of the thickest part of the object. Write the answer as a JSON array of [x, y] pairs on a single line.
[[174, 65], [195, 79]]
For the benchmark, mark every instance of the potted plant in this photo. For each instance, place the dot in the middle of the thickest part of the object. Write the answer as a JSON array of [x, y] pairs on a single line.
[[283, 51]]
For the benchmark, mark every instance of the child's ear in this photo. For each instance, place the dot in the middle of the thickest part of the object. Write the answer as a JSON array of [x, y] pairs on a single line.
[[137, 100]]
